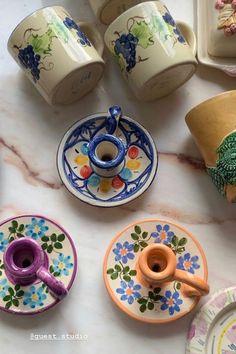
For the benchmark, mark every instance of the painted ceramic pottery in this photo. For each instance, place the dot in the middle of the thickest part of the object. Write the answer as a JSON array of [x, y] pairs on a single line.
[[60, 57], [107, 159], [213, 330], [23, 240], [156, 54], [141, 297], [212, 124], [216, 26]]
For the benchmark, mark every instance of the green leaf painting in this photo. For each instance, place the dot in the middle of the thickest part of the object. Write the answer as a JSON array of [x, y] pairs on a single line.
[[42, 43], [142, 31]]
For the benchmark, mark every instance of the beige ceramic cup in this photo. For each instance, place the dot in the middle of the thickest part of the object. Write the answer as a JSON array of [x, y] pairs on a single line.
[[62, 62], [213, 126], [152, 52], [107, 10]]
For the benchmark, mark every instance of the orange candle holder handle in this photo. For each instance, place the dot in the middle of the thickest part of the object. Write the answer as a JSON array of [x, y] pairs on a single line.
[[157, 265]]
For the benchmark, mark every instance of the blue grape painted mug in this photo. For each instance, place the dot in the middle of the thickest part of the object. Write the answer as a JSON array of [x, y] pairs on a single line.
[[60, 57], [156, 55]]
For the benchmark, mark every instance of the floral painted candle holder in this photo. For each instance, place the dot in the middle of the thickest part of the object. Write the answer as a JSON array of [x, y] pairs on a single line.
[[25, 262], [38, 264], [155, 271], [107, 159]]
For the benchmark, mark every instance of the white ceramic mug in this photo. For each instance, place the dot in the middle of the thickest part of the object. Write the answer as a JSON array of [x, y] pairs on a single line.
[[151, 50], [107, 10], [62, 62]]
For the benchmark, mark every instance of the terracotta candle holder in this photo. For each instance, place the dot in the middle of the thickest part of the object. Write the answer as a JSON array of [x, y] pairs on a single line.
[[157, 265], [213, 126], [155, 271]]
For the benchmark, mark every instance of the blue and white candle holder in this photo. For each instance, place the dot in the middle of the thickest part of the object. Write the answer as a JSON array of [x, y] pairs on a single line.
[[107, 159]]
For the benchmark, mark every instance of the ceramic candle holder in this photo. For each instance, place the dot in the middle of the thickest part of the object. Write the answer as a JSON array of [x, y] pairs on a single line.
[[156, 55], [106, 151], [157, 265], [38, 264], [155, 271], [213, 126], [107, 159], [107, 10], [25, 262], [60, 57]]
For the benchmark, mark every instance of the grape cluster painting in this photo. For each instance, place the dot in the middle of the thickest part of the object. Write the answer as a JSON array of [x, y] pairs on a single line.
[[140, 33], [37, 44], [30, 60]]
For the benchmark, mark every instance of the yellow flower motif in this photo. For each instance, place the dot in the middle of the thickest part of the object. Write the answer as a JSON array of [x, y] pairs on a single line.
[[61, 265], [35, 297], [105, 185], [133, 165], [81, 160], [36, 229]]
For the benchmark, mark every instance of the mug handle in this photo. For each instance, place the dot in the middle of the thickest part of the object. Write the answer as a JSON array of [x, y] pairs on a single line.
[[54, 285], [189, 35], [193, 285], [94, 35]]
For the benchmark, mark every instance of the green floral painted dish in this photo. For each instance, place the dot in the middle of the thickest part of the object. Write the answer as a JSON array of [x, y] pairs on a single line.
[[163, 303], [60, 256]]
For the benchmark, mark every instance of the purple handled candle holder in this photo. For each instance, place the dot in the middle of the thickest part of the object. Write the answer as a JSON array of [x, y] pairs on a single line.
[[25, 262], [38, 264]]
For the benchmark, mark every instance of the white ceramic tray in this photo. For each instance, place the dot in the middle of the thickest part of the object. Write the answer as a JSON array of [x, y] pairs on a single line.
[[228, 65]]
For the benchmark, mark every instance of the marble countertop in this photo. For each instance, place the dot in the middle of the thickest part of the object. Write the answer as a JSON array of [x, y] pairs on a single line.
[[182, 192]]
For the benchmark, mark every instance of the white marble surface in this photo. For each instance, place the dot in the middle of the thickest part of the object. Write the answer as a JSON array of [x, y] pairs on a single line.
[[182, 192]]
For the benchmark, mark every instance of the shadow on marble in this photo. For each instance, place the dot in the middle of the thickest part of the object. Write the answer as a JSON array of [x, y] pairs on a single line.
[[32, 322], [190, 148], [216, 76], [154, 116], [57, 117], [147, 330], [107, 215]]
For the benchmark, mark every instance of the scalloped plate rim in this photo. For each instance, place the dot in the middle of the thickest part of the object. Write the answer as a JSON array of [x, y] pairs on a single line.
[[202, 311]]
